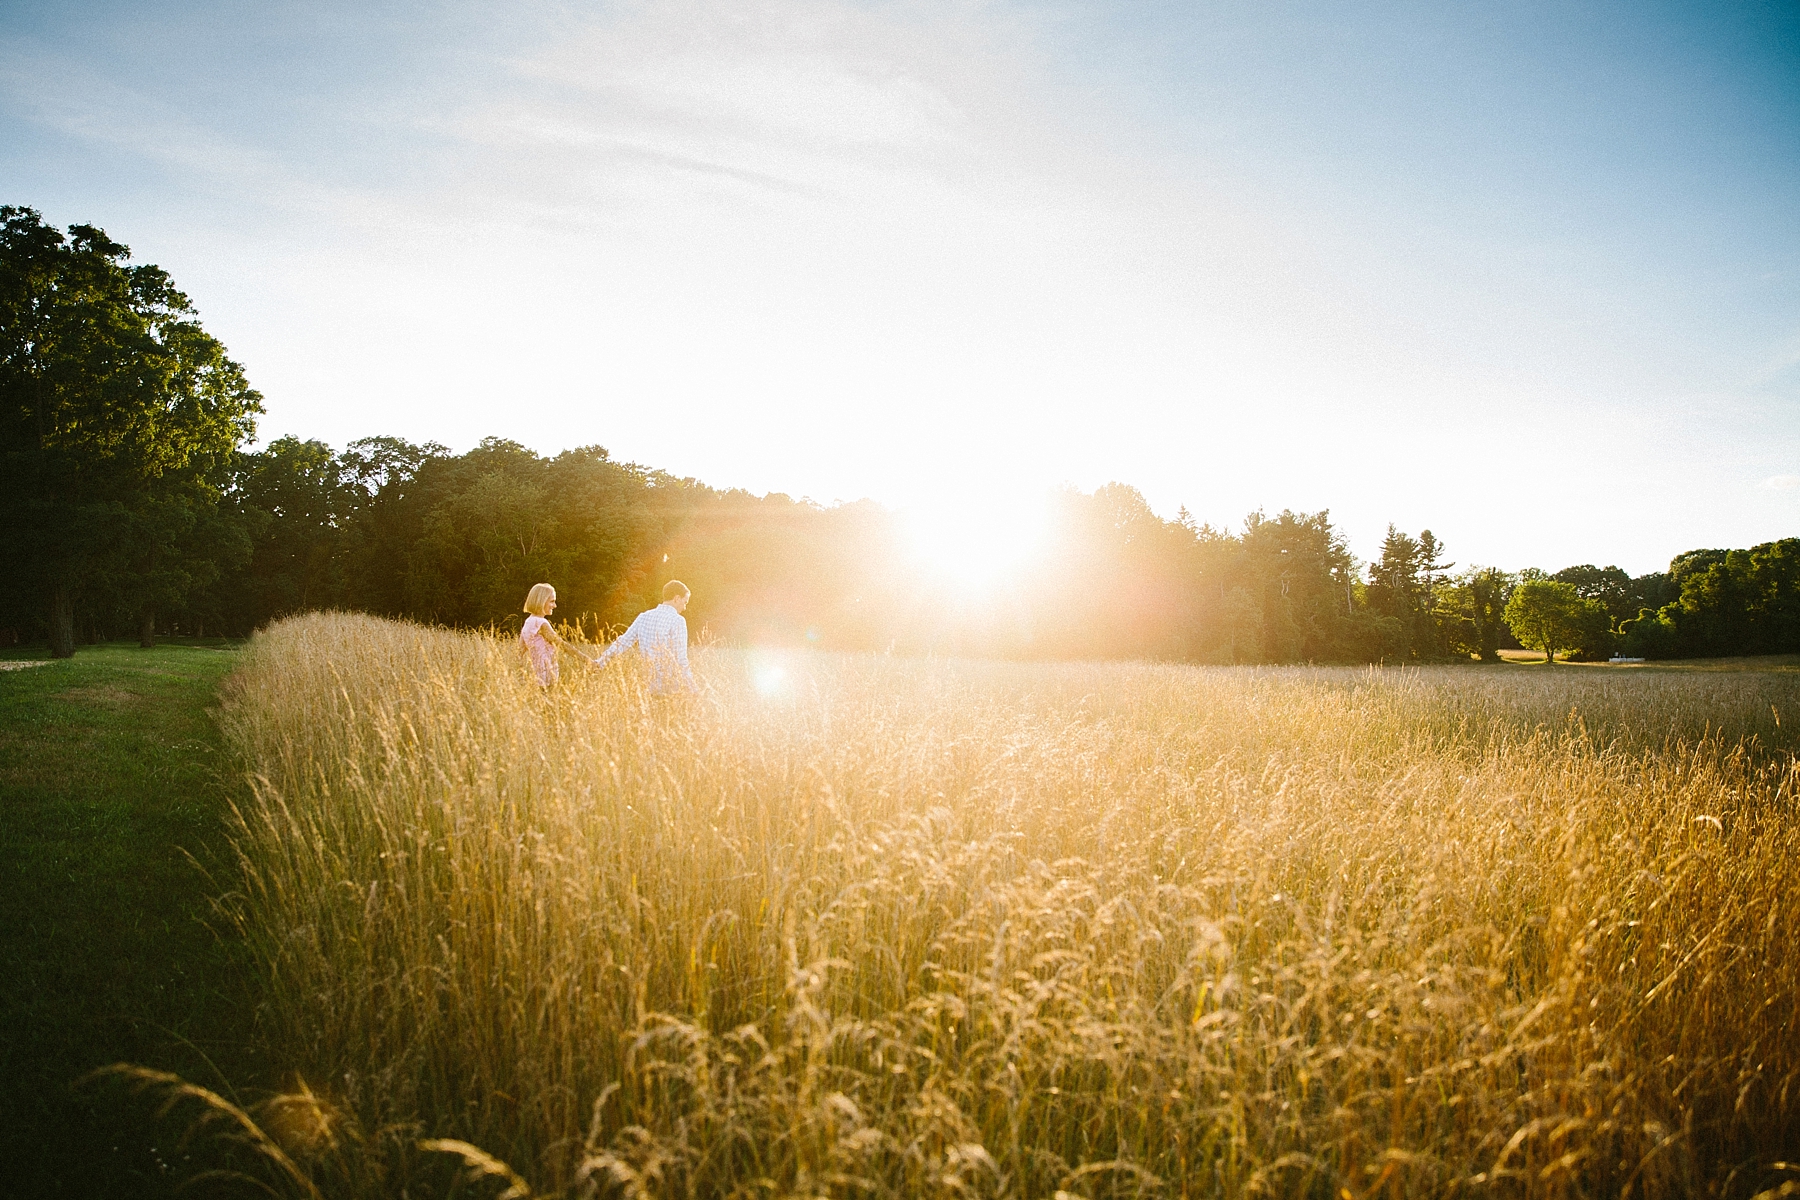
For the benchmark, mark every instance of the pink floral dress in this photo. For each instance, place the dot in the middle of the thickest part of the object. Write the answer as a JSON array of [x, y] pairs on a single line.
[[538, 650]]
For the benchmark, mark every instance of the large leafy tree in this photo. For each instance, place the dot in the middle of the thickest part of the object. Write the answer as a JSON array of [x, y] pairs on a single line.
[[463, 538], [1736, 601], [1549, 615], [118, 417], [1474, 604], [1610, 587], [299, 499]]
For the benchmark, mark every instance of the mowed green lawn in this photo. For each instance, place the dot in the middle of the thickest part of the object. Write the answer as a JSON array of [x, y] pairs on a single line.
[[110, 777]]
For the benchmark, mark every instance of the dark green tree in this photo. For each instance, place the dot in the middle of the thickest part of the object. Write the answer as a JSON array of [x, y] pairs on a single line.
[[1654, 590], [1473, 605], [459, 539], [1302, 568], [301, 504], [1775, 575], [1608, 586], [161, 562], [393, 482], [1403, 586], [1648, 635], [1736, 601], [118, 415]]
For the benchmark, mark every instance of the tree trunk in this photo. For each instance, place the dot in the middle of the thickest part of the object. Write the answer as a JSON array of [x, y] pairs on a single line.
[[147, 629], [62, 622]]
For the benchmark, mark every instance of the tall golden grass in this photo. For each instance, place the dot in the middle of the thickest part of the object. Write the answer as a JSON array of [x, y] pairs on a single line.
[[894, 927]]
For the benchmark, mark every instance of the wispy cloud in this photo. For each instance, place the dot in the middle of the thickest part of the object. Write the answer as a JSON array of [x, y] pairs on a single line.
[[867, 226], [1782, 483], [67, 96], [865, 249], [101, 111], [904, 122]]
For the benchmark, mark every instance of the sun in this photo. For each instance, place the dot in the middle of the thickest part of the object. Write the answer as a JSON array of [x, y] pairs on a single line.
[[768, 674], [974, 541]]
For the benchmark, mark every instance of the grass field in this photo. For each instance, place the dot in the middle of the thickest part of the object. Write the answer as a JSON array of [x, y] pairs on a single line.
[[110, 774], [858, 926]]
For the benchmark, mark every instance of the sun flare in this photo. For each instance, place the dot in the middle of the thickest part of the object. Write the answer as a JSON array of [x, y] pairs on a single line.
[[975, 541], [768, 673]]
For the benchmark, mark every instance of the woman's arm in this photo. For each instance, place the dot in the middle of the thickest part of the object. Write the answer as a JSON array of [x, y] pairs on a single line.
[[558, 640]]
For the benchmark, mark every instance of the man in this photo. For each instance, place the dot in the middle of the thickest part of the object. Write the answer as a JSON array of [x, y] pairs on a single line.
[[660, 635]]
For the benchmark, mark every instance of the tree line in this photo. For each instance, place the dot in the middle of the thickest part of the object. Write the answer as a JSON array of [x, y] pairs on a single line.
[[132, 502]]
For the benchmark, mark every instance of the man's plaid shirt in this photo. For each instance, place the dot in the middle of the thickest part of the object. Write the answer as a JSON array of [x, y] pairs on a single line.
[[660, 635]]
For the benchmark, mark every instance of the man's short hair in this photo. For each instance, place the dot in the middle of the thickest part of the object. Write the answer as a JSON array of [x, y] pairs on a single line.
[[674, 588]]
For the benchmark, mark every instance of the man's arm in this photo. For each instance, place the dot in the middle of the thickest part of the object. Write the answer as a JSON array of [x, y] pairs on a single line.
[[624, 641]]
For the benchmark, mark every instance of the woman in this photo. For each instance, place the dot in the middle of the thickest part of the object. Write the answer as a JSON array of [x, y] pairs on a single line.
[[539, 638]]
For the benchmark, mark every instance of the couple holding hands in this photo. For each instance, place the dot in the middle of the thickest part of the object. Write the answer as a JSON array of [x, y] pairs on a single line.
[[659, 634]]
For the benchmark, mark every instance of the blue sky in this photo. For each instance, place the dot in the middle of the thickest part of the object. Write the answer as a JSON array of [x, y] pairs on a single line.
[[1527, 275]]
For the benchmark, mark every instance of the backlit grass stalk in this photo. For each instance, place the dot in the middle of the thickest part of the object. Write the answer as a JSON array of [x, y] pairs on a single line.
[[906, 927]]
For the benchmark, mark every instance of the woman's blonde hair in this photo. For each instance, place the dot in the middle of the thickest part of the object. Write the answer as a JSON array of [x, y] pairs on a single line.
[[539, 599]]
